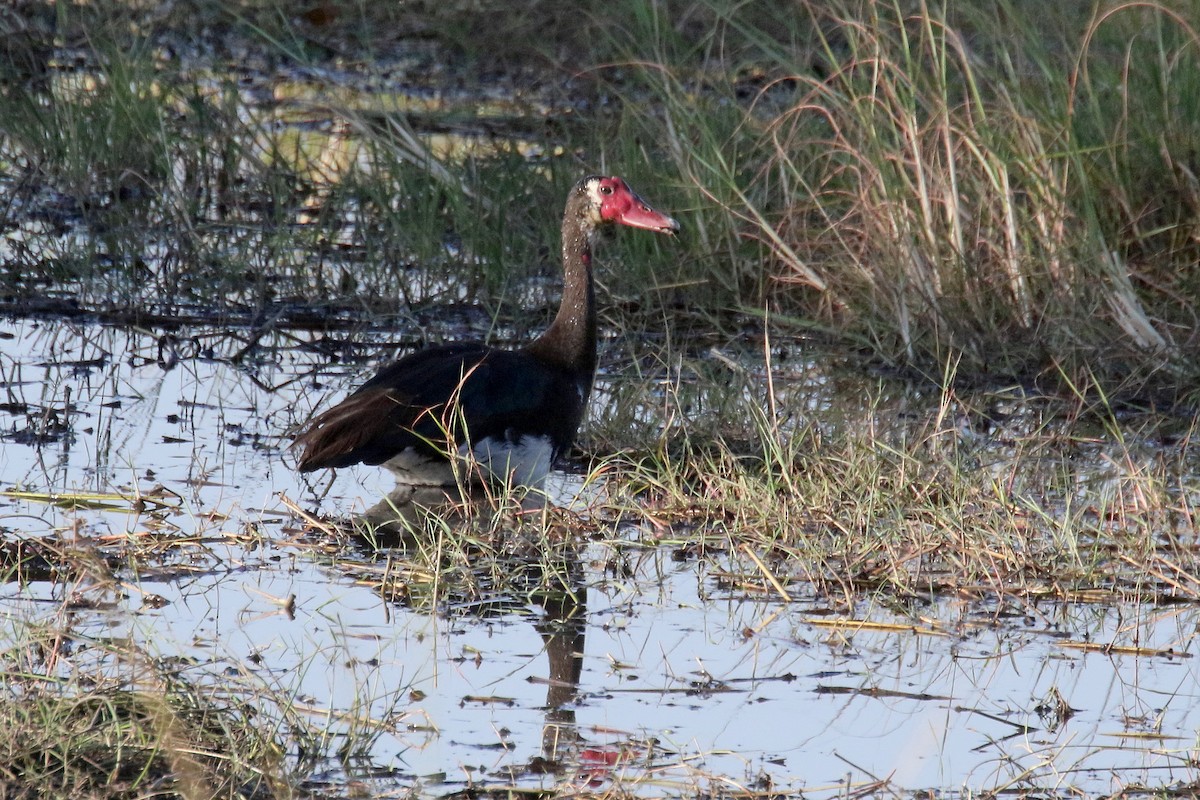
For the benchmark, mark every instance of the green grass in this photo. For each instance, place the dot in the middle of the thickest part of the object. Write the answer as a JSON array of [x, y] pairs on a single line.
[[996, 187]]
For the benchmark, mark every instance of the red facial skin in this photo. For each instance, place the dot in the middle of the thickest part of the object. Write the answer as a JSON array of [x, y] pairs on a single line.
[[621, 204]]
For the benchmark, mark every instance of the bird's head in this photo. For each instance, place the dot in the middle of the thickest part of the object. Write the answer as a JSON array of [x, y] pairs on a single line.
[[613, 202]]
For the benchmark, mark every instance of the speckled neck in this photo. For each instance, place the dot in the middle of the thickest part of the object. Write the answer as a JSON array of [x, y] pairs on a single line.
[[570, 341]]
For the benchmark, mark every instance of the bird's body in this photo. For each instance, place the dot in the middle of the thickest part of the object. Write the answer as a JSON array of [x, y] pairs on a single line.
[[509, 413]]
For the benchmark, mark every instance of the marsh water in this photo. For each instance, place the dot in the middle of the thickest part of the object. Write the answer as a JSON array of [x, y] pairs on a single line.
[[662, 673]]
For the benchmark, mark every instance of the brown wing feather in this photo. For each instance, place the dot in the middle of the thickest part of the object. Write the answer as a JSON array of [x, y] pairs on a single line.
[[360, 421]]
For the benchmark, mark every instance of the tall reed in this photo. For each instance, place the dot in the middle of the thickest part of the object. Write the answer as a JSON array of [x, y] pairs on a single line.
[[989, 186]]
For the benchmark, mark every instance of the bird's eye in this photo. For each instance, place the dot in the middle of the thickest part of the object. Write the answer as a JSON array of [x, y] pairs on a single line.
[[606, 190]]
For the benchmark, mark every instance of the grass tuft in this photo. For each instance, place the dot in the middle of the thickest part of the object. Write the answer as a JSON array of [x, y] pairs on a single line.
[[977, 495], [986, 185], [156, 735]]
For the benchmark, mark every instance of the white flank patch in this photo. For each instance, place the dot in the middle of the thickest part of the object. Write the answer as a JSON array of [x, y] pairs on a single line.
[[525, 463]]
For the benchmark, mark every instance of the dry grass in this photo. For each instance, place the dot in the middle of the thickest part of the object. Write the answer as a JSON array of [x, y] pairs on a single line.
[[996, 495], [104, 718]]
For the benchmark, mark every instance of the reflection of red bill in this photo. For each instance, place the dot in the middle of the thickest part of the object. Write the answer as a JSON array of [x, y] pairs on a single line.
[[598, 761]]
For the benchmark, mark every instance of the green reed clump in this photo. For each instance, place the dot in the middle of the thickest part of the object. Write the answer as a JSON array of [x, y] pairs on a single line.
[[119, 167], [175, 183], [992, 185]]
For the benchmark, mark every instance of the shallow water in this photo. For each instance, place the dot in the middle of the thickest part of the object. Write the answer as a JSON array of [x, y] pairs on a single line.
[[683, 684]]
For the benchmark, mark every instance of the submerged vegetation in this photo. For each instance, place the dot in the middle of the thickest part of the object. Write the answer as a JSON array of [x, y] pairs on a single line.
[[995, 202]]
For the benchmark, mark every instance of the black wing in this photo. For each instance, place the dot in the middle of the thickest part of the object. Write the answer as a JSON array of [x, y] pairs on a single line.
[[436, 399]]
